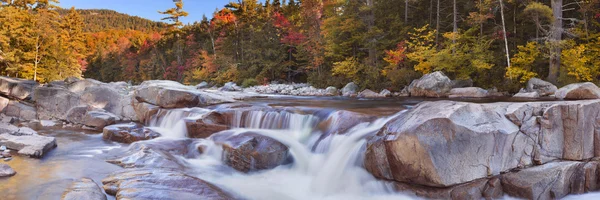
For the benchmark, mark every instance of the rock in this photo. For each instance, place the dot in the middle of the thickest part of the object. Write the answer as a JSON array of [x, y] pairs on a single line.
[[6, 85], [332, 91], [351, 89], [527, 95], [468, 92], [54, 103], [368, 94], [204, 127], [249, 151], [230, 87], [145, 111], [170, 94], [431, 85], [339, 122], [6, 171], [91, 117], [59, 84], [3, 103], [23, 89], [462, 83], [550, 181], [71, 79], [29, 145], [128, 133], [103, 97], [83, 189], [202, 85], [80, 85], [579, 91], [478, 189], [20, 110], [472, 141], [385, 93], [160, 184], [159, 153], [540, 86]]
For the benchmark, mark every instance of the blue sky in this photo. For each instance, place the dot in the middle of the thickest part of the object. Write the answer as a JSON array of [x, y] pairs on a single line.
[[148, 8]]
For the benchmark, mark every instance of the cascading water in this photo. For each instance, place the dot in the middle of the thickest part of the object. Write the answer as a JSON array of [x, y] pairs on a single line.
[[171, 123]]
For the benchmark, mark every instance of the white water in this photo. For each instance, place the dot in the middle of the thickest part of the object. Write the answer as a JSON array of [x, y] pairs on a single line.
[[171, 123]]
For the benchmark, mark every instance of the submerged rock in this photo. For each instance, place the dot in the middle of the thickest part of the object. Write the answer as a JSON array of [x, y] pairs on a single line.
[[435, 84], [83, 189], [29, 145], [6, 171], [351, 89], [249, 151], [579, 91], [540, 86], [128, 133], [160, 184]]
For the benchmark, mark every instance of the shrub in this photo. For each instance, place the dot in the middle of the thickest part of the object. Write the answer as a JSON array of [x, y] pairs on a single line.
[[249, 82]]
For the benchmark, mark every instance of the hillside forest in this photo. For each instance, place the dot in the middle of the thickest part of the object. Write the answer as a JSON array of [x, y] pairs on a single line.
[[375, 43]]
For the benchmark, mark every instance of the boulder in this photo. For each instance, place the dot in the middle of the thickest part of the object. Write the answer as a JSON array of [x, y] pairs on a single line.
[[332, 91], [207, 125], [550, 181], [23, 89], [91, 117], [450, 143], [202, 85], [468, 92], [579, 91], [83, 189], [71, 79], [250, 151], [20, 110], [160, 184], [128, 133], [462, 83], [339, 122], [6, 85], [385, 93], [170, 94], [478, 189], [159, 153], [77, 86], [351, 89], [431, 85], [3, 104], [103, 97], [29, 145], [144, 111], [54, 102], [6, 171], [230, 87], [541, 87], [527, 95], [368, 94]]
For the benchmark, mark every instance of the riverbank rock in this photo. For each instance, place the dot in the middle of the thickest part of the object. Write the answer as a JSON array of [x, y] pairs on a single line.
[[207, 125], [579, 91], [368, 94], [385, 93], [170, 94], [17, 88], [351, 89], [91, 117], [83, 189], [103, 97], [478, 189], [158, 153], [527, 95], [462, 83], [431, 85], [543, 88], [54, 102], [144, 111], [249, 151], [128, 133], [28, 145], [332, 91], [20, 110], [469, 92], [160, 184], [80, 85], [6, 171], [230, 87], [3, 103]]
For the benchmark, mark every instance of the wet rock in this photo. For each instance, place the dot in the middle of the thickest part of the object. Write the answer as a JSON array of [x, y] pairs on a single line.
[[202, 85], [579, 91], [145, 111], [249, 151], [385, 93], [207, 125], [54, 103], [128, 133], [77, 86], [549, 181], [6, 171], [29, 145], [462, 83], [351, 89], [468, 92], [339, 122], [478, 189], [331, 91], [20, 110], [231, 87], [527, 95], [3, 103], [368, 94], [83, 189], [431, 85], [160, 184], [472, 141], [540, 86]]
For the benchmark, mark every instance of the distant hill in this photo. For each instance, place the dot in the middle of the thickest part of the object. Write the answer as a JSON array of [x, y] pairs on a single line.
[[97, 20]]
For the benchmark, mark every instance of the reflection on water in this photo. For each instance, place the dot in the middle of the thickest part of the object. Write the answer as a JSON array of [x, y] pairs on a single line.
[[78, 155]]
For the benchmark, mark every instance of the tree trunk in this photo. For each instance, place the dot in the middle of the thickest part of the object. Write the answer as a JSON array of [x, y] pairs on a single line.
[[454, 25], [430, 11], [554, 39], [405, 12], [504, 33], [373, 41], [437, 26]]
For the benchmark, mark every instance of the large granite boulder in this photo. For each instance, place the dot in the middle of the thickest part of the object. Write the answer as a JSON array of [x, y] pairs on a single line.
[[368, 94], [17, 88], [6, 171], [128, 133], [158, 153], [103, 97], [29, 145], [170, 94], [478, 189], [54, 102], [160, 184], [20, 110], [6, 85], [579, 91], [91, 117], [249, 151], [206, 125], [83, 189], [469, 92], [351, 89], [339, 122], [435, 84], [331, 91], [78, 85], [541, 87], [144, 111]]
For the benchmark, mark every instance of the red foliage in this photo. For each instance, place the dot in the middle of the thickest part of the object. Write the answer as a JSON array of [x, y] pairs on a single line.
[[398, 55]]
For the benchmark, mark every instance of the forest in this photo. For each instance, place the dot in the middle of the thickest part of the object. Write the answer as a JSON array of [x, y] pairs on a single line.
[[375, 43]]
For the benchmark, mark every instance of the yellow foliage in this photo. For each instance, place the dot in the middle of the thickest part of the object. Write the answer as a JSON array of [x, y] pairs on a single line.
[[347, 68], [578, 64], [522, 63]]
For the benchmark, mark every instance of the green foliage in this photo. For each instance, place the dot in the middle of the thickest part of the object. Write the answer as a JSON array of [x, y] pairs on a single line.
[[249, 82]]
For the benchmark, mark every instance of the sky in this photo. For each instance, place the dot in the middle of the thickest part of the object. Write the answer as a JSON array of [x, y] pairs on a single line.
[[149, 8]]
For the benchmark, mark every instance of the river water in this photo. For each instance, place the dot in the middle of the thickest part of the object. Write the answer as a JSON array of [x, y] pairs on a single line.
[[323, 167]]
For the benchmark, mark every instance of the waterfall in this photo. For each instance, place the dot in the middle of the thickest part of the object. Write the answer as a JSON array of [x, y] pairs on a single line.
[[171, 123]]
